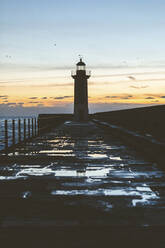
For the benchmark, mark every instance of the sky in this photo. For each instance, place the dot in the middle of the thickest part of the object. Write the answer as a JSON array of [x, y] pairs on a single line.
[[121, 41]]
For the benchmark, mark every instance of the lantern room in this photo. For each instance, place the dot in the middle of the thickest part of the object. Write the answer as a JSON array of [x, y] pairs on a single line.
[[81, 66]]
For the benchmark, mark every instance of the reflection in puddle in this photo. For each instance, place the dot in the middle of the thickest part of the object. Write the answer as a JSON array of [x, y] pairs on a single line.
[[146, 198], [144, 189], [62, 172], [74, 192], [11, 153], [26, 194], [97, 156], [147, 195], [115, 158], [101, 172], [12, 177], [46, 171], [29, 166], [121, 174], [140, 197], [56, 151]]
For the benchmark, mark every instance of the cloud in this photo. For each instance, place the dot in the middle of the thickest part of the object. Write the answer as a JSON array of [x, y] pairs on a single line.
[[51, 85], [34, 102], [162, 97], [156, 101], [111, 96], [127, 74], [61, 97], [149, 97], [6, 103], [40, 105], [52, 67], [44, 97], [139, 87], [34, 97], [127, 97], [120, 97], [37, 67], [4, 96], [11, 103]]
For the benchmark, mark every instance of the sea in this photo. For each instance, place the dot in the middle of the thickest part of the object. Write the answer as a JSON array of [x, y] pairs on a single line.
[[2, 128]]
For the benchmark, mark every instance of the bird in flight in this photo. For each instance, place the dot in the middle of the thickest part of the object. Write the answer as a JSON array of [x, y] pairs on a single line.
[[132, 78]]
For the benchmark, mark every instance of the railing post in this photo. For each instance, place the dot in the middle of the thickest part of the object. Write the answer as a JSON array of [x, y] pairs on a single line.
[[6, 135], [13, 132], [24, 129], [38, 126], [19, 131], [28, 128], [32, 128], [35, 126]]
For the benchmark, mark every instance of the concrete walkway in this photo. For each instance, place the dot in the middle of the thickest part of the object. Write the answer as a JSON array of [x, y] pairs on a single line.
[[77, 178]]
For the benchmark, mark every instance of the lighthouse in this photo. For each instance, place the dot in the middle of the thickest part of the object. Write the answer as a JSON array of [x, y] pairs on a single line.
[[81, 92]]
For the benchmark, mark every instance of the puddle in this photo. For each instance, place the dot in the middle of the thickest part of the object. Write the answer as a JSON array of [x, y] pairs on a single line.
[[15, 153], [46, 171], [140, 198], [146, 199], [147, 196], [74, 192], [108, 147], [97, 156], [115, 158], [29, 166], [101, 172], [26, 194], [130, 192], [12, 177], [56, 151], [37, 170], [121, 174], [144, 189]]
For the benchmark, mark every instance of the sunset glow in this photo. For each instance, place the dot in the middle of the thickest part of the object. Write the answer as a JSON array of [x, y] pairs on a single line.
[[38, 54]]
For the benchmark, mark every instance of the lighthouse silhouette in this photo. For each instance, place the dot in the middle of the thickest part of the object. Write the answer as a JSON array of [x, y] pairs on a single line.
[[81, 77]]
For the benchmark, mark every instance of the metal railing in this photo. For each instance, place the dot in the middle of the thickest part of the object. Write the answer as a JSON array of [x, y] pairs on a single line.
[[15, 131], [74, 73]]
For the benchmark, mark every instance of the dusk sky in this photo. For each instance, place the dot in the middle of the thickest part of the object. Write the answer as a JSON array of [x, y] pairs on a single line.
[[121, 41]]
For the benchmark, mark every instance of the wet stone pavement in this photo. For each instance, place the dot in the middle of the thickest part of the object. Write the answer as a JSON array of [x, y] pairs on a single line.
[[67, 178]]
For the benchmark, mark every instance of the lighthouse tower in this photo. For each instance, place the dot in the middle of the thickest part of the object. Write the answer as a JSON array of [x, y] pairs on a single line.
[[81, 92]]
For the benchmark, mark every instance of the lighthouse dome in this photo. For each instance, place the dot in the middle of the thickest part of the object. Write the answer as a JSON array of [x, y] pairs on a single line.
[[81, 65]]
